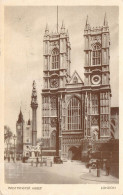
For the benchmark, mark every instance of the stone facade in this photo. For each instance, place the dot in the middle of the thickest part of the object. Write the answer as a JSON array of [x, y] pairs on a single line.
[[115, 122], [73, 110]]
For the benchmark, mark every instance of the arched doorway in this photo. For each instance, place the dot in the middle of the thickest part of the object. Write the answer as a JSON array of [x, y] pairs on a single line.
[[74, 153]]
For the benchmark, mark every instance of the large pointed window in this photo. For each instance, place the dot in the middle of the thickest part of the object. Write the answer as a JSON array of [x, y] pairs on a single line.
[[55, 59], [96, 55], [74, 114]]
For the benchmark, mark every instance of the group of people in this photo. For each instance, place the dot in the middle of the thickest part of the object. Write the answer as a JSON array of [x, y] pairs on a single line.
[[106, 165], [101, 164], [9, 158]]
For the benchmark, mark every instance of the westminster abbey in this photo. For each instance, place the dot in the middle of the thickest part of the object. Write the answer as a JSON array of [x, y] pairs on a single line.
[[74, 109]]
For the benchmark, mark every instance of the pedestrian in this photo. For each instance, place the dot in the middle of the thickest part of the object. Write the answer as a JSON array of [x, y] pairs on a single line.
[[9, 159], [98, 168], [37, 161], [32, 163], [107, 166]]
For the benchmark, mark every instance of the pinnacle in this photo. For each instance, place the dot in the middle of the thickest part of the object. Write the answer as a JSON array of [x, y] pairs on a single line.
[[34, 84], [20, 117], [105, 20], [63, 26], [47, 28], [87, 25], [87, 20]]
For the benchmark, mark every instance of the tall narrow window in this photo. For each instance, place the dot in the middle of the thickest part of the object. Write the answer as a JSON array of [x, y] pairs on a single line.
[[74, 114], [95, 104], [46, 63], [46, 47], [105, 57], [53, 106], [96, 56], [104, 40], [55, 59]]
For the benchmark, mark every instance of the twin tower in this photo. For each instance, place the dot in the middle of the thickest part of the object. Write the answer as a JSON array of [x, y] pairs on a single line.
[[73, 110]]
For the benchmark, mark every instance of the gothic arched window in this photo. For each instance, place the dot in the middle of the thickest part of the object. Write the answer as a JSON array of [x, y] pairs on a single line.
[[55, 59], [96, 55], [74, 114], [53, 106]]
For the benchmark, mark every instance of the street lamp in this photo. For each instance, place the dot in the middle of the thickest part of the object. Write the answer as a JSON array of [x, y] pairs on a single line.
[[7, 144], [14, 137]]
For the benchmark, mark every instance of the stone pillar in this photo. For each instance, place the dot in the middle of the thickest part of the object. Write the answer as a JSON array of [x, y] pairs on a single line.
[[34, 106]]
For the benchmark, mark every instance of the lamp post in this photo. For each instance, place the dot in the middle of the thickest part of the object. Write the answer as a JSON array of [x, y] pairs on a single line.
[[7, 144], [14, 138], [9, 149]]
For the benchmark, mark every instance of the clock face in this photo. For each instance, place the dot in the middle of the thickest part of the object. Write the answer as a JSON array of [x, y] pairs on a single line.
[[96, 79], [54, 83]]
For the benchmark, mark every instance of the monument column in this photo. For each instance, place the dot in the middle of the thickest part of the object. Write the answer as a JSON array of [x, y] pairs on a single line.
[[34, 106]]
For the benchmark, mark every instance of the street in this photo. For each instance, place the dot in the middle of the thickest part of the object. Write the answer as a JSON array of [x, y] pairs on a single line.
[[70, 172]]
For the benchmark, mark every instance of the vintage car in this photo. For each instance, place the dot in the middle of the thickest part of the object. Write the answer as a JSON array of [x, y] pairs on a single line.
[[93, 163]]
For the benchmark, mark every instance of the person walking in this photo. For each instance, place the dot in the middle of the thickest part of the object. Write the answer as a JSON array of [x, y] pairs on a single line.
[[107, 166], [37, 161], [8, 158], [98, 168]]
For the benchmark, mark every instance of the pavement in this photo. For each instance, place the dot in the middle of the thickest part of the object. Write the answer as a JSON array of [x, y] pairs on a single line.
[[102, 179], [70, 172]]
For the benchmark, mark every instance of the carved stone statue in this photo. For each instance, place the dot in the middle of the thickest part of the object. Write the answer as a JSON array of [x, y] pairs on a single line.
[[95, 134]]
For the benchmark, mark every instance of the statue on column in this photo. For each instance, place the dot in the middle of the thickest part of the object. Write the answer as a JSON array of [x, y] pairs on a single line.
[[34, 106], [95, 134]]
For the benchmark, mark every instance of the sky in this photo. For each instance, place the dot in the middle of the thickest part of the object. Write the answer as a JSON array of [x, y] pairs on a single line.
[[23, 44]]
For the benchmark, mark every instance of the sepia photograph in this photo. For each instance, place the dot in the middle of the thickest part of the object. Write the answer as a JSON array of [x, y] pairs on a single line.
[[61, 94]]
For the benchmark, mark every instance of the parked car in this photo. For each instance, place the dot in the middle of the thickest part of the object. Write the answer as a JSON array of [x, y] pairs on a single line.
[[92, 163], [57, 160]]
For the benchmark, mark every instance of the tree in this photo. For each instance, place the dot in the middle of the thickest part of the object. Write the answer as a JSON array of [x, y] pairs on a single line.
[[7, 137]]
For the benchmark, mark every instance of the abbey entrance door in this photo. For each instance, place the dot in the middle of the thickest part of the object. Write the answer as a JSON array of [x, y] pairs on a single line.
[[74, 153]]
